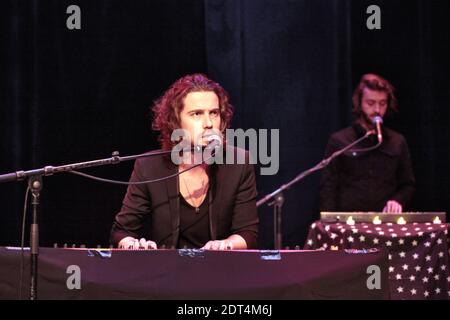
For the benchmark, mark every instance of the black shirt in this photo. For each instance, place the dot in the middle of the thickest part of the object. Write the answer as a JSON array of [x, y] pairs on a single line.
[[194, 226], [365, 181]]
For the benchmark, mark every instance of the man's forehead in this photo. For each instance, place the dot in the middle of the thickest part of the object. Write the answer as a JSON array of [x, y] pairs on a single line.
[[374, 94]]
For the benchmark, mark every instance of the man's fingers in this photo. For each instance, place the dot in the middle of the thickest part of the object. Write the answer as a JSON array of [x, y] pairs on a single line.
[[142, 243], [150, 245], [222, 245], [218, 245], [206, 246]]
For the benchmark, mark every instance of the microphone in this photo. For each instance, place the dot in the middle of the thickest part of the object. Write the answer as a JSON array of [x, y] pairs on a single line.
[[378, 121], [214, 141]]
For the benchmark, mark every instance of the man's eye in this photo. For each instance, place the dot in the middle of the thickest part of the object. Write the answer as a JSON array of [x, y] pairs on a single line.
[[383, 103], [196, 114], [215, 113], [370, 103]]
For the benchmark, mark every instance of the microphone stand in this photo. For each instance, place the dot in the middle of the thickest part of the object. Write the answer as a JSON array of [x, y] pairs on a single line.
[[36, 185], [277, 195]]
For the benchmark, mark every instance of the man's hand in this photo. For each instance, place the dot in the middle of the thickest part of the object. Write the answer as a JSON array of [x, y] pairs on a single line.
[[131, 243], [218, 245], [393, 206]]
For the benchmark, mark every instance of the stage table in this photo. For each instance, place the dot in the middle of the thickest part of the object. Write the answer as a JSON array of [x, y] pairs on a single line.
[[417, 252]]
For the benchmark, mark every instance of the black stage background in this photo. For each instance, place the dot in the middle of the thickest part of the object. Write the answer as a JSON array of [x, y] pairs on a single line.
[[76, 95]]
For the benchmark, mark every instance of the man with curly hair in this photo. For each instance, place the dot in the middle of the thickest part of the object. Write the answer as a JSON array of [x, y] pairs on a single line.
[[210, 206], [381, 179]]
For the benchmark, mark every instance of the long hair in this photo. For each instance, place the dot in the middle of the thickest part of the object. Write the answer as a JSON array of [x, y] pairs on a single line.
[[377, 83], [167, 108]]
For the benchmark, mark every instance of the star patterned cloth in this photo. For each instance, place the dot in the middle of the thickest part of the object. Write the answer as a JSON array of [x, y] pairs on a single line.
[[418, 253]]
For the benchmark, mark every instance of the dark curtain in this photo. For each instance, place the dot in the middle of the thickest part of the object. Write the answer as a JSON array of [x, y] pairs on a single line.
[[292, 65], [76, 95]]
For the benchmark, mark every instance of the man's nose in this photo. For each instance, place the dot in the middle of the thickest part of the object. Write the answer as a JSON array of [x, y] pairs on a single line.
[[207, 123], [377, 108]]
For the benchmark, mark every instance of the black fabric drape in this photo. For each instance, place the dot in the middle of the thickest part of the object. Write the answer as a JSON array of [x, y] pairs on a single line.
[[293, 65], [76, 95]]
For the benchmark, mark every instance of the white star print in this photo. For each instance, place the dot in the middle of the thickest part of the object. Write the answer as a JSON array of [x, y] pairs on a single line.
[[443, 267], [342, 230], [413, 291], [424, 279], [369, 231], [341, 241], [390, 256], [402, 254], [414, 243], [313, 226], [310, 242], [394, 235], [319, 236], [437, 290], [448, 279], [430, 270], [327, 228], [362, 238], [441, 254], [333, 235], [433, 235], [417, 268], [428, 258], [404, 229], [391, 230], [407, 234], [405, 267], [412, 278], [439, 241], [400, 289], [325, 245], [381, 233], [420, 233], [398, 276], [417, 229], [391, 269], [415, 256], [401, 241], [426, 294], [436, 277], [375, 241], [350, 239], [427, 244], [430, 228], [355, 230], [388, 243]]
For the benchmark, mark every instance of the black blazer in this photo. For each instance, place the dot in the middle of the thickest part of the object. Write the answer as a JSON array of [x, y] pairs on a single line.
[[232, 202]]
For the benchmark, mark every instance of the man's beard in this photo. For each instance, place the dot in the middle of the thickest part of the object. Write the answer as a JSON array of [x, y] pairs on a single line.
[[368, 120]]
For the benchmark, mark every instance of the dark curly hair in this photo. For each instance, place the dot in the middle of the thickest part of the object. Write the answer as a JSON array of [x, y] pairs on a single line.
[[374, 82], [167, 108]]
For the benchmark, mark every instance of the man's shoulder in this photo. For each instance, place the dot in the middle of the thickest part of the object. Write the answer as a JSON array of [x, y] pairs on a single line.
[[155, 160], [394, 135]]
